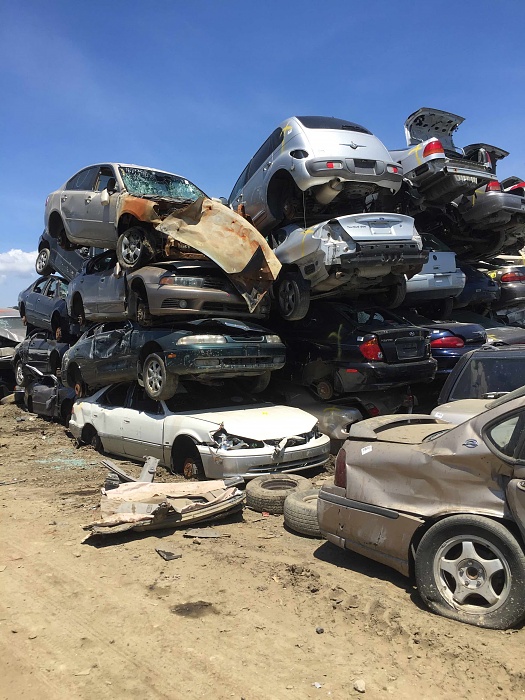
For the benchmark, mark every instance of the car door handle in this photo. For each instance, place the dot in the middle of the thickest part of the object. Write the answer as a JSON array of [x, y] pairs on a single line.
[[63, 197], [88, 199], [102, 279], [267, 165], [125, 420]]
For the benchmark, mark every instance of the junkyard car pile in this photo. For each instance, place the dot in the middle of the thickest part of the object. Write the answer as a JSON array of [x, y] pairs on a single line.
[[244, 340]]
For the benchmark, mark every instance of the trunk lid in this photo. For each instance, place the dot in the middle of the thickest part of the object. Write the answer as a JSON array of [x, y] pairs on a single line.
[[439, 263], [381, 226], [342, 142], [427, 123]]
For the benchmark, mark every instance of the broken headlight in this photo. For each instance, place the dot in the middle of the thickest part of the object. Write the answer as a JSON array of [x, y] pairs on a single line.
[[273, 339], [204, 339], [225, 441], [181, 281]]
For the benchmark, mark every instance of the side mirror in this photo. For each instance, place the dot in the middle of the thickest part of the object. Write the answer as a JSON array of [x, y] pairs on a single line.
[[222, 200], [104, 198]]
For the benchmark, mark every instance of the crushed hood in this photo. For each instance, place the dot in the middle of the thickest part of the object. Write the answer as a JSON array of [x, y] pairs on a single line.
[[219, 233], [262, 423]]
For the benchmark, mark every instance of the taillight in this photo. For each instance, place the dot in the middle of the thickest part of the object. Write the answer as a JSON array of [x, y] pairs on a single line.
[[493, 186], [448, 342], [370, 349], [373, 411], [340, 469], [392, 169], [433, 148], [512, 277], [335, 164]]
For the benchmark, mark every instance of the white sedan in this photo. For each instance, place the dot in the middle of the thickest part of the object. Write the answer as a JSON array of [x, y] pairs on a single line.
[[203, 431]]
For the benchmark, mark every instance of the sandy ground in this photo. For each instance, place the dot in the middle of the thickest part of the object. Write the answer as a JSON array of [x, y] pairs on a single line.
[[260, 614]]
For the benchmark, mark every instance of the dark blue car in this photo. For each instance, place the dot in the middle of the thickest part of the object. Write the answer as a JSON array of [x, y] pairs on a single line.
[[43, 305]]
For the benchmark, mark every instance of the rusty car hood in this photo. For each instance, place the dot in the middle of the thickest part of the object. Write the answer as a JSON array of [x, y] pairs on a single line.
[[215, 231]]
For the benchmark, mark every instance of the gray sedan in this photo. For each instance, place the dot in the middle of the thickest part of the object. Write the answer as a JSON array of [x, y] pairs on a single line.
[[102, 291]]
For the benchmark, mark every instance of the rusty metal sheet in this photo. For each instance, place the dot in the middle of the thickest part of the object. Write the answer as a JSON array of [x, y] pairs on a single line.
[[213, 230]]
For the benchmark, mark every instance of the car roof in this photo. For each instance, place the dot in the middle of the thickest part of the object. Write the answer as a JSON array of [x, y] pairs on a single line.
[[129, 165]]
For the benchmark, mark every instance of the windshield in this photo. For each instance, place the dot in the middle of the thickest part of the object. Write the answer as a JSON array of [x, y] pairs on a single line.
[[143, 183], [484, 375], [12, 323], [332, 123]]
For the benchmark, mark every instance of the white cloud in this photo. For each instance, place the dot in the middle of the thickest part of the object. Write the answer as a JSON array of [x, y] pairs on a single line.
[[17, 262]]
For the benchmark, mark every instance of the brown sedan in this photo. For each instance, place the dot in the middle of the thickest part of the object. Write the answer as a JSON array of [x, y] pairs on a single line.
[[447, 503]]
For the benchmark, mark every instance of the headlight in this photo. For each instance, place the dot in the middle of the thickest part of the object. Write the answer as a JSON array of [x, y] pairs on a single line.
[[202, 340], [273, 339], [225, 441], [181, 281]]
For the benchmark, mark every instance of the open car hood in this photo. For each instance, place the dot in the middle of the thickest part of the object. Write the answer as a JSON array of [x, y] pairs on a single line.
[[216, 231], [427, 123]]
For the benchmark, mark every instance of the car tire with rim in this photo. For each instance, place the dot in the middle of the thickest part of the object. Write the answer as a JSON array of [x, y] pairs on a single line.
[[133, 249], [472, 569], [79, 385], [292, 294], [59, 328], [144, 318], [268, 493], [158, 383], [192, 467], [20, 378], [300, 512], [79, 314], [42, 265]]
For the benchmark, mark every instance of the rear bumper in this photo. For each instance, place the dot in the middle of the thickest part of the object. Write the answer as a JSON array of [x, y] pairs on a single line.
[[494, 203], [372, 376], [375, 172], [385, 252], [434, 286]]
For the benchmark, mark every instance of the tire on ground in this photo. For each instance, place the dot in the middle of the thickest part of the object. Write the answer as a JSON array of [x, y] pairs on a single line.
[[268, 493], [300, 512]]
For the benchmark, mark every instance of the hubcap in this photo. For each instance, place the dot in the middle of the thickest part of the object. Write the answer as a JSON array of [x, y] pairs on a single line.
[[131, 247], [472, 575], [19, 375], [154, 376], [287, 297]]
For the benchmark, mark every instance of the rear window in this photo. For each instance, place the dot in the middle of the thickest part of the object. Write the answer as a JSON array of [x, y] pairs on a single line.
[[484, 375], [332, 123], [372, 318]]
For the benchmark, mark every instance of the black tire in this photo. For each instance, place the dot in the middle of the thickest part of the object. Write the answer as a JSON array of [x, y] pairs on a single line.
[[254, 385], [158, 383], [42, 266], [59, 328], [394, 296], [133, 249], [63, 241], [300, 512], [292, 294], [65, 412], [20, 378], [92, 438], [268, 493], [472, 569]]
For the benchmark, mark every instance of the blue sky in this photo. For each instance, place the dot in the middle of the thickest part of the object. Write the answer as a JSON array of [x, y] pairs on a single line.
[[195, 87]]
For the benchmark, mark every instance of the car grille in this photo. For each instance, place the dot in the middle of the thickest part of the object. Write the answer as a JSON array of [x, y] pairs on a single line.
[[217, 283], [247, 338], [300, 439]]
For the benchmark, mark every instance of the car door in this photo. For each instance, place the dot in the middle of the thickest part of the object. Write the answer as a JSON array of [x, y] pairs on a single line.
[[109, 416], [112, 354], [102, 288], [33, 299], [37, 350], [73, 203], [100, 216], [143, 426], [45, 302]]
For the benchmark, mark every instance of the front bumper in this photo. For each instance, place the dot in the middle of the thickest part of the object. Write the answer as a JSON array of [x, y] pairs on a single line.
[[225, 360], [174, 301], [254, 462]]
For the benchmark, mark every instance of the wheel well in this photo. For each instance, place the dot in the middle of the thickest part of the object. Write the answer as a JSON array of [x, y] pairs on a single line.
[[423, 529], [22, 310], [88, 431], [147, 350], [182, 445], [55, 224], [127, 221], [77, 298], [277, 185], [54, 358], [139, 288], [72, 371], [43, 245], [55, 318]]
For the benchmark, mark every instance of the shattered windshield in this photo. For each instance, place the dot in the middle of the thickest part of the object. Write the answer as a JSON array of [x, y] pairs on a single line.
[[12, 323], [152, 183]]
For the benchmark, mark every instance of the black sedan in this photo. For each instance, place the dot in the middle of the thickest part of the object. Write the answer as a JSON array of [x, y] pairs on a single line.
[[40, 350], [204, 349], [338, 349], [46, 396], [43, 305], [449, 340]]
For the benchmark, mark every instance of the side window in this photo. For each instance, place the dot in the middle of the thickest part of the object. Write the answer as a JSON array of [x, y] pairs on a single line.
[[82, 180], [115, 396], [62, 289], [505, 436], [52, 288], [276, 139], [262, 154], [39, 286], [239, 184], [140, 401], [105, 174]]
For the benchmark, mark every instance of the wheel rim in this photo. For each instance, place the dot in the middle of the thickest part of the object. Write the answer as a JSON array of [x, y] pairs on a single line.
[[472, 575], [19, 374], [189, 468], [42, 260], [287, 297], [154, 376], [131, 247]]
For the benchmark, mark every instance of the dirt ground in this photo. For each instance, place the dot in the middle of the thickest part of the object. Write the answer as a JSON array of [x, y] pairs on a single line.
[[259, 614]]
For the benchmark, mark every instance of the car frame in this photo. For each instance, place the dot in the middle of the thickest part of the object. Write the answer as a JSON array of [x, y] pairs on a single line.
[[200, 439], [204, 349], [445, 503], [307, 163]]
